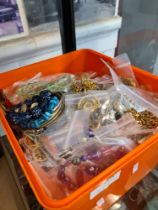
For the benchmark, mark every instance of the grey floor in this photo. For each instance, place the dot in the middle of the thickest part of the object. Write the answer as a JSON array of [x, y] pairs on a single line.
[[8, 190]]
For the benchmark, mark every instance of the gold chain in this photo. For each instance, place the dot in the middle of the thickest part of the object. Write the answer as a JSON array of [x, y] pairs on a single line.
[[145, 118]]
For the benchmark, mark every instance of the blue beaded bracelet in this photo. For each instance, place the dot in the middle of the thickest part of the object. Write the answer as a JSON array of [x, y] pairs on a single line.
[[35, 112]]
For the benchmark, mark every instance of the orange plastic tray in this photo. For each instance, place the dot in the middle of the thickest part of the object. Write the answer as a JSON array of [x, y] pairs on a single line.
[[111, 184]]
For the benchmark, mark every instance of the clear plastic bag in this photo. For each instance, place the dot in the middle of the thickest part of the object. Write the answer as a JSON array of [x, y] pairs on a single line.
[[92, 157], [126, 122], [47, 177], [119, 141], [124, 69], [134, 96], [44, 166], [88, 74], [105, 106], [62, 176], [88, 101], [126, 126], [10, 92], [114, 105], [149, 96], [35, 150], [139, 136], [104, 82], [102, 143], [68, 136], [25, 89], [139, 99], [77, 130]]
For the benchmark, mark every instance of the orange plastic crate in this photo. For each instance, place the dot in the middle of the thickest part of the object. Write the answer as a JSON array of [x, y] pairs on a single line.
[[115, 181]]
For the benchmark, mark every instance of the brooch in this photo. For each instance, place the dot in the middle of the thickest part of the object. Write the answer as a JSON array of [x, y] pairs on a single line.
[[83, 84], [88, 103]]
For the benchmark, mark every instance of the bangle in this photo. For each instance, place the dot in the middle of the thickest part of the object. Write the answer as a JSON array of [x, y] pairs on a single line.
[[38, 113]]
